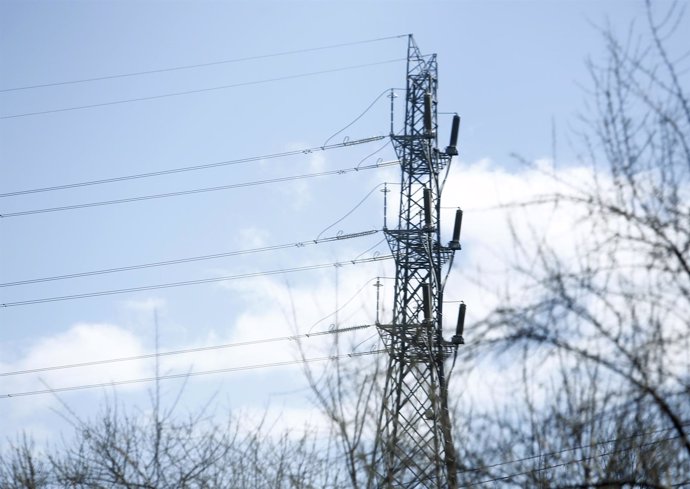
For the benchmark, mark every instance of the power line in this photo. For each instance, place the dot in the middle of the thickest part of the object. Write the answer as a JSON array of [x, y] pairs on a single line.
[[341, 171], [351, 210], [207, 89], [185, 351], [201, 65], [347, 302], [572, 449], [563, 464], [190, 374], [387, 90], [192, 282], [298, 244], [194, 167]]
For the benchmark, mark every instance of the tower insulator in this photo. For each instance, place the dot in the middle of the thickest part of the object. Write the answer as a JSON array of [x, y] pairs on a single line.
[[428, 224], [452, 149], [426, 295], [428, 115], [455, 243], [460, 328]]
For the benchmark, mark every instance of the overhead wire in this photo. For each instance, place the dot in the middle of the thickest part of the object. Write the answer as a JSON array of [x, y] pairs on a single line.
[[341, 171], [298, 244], [570, 462], [353, 209], [192, 282], [347, 302], [387, 90], [202, 65], [571, 449], [381, 148], [374, 246], [185, 351], [205, 166], [207, 89], [187, 375]]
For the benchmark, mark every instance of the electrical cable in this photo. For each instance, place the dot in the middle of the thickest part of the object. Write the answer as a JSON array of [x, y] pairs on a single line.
[[184, 351], [207, 89], [189, 374], [248, 159], [374, 152], [572, 449], [563, 464], [387, 90], [192, 282], [347, 302], [452, 366], [201, 65], [354, 208], [371, 248], [298, 244], [341, 171], [450, 267]]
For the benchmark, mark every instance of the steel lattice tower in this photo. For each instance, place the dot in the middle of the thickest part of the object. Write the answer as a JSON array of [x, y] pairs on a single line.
[[415, 440]]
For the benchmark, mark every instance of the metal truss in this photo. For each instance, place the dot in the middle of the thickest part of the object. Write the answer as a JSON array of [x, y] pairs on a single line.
[[415, 441]]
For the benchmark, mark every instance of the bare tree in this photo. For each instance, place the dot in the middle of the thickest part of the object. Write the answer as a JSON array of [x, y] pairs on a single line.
[[349, 396], [23, 467], [131, 449], [611, 317]]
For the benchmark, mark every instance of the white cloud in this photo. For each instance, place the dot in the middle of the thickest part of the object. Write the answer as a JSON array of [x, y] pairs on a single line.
[[252, 237], [148, 305], [280, 306], [487, 194], [85, 342], [317, 162]]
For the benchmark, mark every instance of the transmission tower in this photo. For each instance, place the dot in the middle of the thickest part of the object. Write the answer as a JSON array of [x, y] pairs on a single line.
[[415, 445]]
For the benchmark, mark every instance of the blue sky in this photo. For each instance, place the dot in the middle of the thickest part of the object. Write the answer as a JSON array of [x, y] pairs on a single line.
[[512, 69]]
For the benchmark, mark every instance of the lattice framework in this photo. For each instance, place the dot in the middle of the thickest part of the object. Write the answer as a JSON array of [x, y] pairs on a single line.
[[415, 437]]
